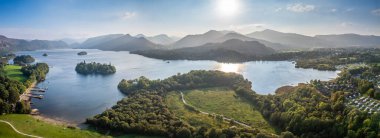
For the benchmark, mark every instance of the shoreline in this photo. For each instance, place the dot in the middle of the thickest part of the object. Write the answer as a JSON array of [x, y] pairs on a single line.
[[55, 121], [24, 96], [39, 116], [50, 120]]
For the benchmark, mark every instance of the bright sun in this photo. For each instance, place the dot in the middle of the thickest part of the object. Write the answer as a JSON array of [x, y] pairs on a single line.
[[227, 7]]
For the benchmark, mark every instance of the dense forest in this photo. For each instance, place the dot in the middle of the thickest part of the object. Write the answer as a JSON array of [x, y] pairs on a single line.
[[309, 111], [341, 58], [94, 68], [36, 72], [303, 110], [10, 89], [144, 111], [23, 59], [10, 92]]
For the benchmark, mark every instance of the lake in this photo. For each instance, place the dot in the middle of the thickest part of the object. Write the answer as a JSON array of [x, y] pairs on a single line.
[[74, 97]]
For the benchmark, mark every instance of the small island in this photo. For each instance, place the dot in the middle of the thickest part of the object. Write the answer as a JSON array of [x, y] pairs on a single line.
[[94, 68], [23, 59], [82, 53], [45, 55]]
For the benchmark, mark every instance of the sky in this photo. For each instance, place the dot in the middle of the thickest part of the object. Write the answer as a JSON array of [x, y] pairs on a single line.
[[57, 19]]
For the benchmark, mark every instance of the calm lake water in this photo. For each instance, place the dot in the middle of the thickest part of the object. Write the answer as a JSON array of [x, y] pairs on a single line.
[[74, 97]]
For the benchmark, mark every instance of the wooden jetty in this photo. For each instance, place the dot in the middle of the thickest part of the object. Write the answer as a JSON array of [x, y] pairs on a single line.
[[38, 90], [38, 96]]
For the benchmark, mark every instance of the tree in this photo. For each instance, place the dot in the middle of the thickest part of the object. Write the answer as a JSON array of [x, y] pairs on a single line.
[[22, 107], [214, 133], [287, 134], [183, 133]]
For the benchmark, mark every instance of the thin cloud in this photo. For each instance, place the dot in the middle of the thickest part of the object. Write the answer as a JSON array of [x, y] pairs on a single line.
[[299, 7], [345, 24], [349, 9], [278, 9], [128, 15], [376, 12], [333, 10], [248, 28]]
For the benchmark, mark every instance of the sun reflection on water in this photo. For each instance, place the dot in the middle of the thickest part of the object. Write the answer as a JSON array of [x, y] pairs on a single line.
[[229, 67]]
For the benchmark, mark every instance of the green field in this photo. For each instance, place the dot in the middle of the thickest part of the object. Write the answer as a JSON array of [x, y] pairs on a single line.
[[14, 72], [173, 100], [29, 125], [225, 102], [7, 132]]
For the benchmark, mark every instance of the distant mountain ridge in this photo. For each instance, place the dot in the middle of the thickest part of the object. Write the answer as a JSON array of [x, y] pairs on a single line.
[[118, 42], [12, 44], [232, 50], [91, 42], [298, 41], [161, 39], [270, 38], [213, 36], [351, 40]]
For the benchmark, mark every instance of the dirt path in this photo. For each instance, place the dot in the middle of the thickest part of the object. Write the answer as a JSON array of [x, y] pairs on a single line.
[[224, 118], [19, 131]]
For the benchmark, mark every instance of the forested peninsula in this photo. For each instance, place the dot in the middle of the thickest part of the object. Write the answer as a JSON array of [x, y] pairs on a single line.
[[154, 107]]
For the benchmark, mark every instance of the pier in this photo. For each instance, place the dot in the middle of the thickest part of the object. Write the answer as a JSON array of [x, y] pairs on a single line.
[[33, 92]]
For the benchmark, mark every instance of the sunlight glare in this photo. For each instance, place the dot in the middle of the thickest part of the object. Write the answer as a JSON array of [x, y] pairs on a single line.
[[227, 7], [227, 67]]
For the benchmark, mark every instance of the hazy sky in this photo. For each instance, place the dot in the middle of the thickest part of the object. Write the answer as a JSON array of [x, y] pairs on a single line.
[[54, 19]]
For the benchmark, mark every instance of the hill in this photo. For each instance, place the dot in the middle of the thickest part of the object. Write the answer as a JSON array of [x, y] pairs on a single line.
[[352, 40], [12, 44], [213, 36], [297, 41], [198, 39], [291, 40], [119, 42], [232, 50], [161, 39], [91, 42]]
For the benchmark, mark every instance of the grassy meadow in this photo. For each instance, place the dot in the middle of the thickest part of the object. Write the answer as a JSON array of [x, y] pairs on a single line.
[[29, 125], [225, 102], [14, 72]]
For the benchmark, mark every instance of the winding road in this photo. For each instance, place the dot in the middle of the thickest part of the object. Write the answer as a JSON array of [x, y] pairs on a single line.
[[19, 131], [224, 118]]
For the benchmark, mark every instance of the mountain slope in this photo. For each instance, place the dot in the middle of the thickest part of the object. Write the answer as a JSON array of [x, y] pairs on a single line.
[[351, 40], [11, 44], [91, 42], [218, 37], [161, 39], [234, 35], [126, 43], [291, 40], [197, 40], [232, 50]]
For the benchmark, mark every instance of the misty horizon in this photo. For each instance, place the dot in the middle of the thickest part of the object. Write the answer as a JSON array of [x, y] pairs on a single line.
[[53, 20]]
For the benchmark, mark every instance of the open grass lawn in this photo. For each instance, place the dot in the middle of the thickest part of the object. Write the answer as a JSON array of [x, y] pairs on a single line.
[[7, 132], [29, 125], [225, 102], [174, 102], [14, 72]]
